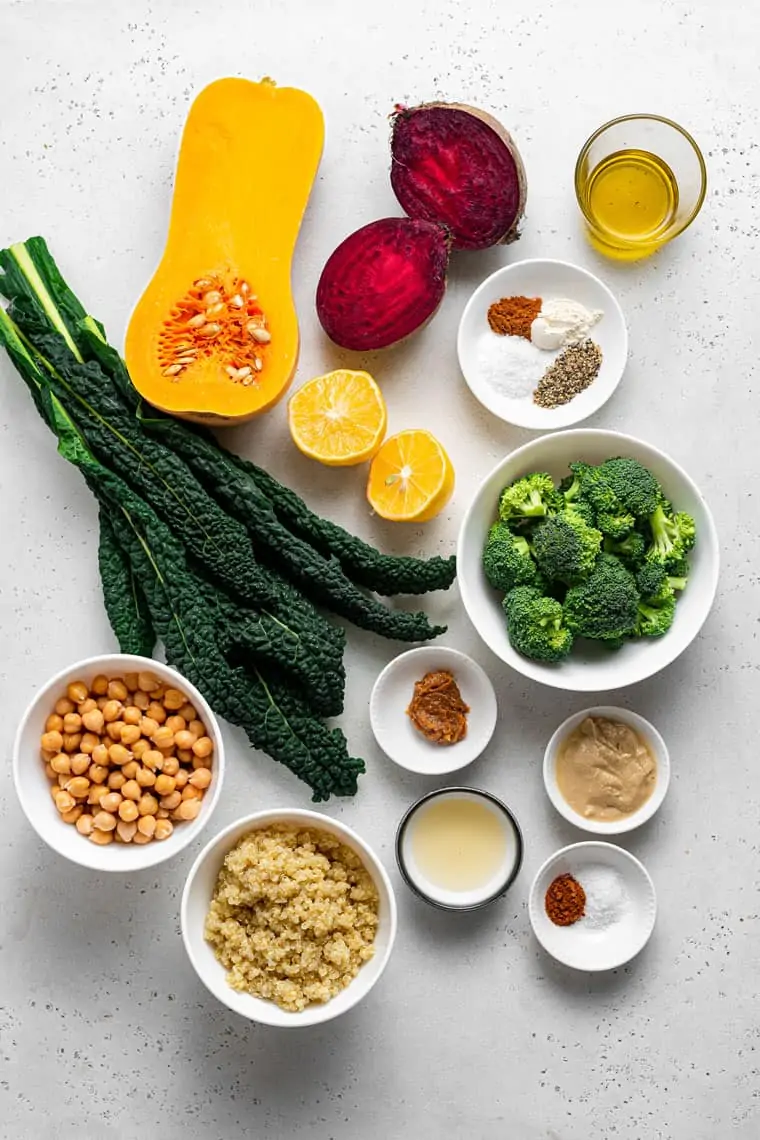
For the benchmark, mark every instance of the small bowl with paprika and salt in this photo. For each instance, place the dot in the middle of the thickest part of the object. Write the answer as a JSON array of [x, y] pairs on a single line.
[[542, 344], [592, 906], [606, 770], [433, 710]]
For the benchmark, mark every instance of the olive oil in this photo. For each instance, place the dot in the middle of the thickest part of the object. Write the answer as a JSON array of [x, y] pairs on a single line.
[[631, 199]]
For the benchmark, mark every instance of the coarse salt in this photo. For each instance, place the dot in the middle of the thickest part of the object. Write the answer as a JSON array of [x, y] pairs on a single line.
[[510, 365], [607, 900]]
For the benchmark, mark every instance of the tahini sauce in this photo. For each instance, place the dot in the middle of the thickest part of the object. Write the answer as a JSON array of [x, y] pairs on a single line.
[[605, 770]]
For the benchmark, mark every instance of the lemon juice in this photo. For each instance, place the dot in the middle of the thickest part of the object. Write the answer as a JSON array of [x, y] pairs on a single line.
[[631, 199]]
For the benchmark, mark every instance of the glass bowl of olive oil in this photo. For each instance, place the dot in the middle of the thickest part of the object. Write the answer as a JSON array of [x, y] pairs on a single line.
[[640, 180]]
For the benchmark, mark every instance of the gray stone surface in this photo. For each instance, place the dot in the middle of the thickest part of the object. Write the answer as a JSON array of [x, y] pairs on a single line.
[[105, 1030]]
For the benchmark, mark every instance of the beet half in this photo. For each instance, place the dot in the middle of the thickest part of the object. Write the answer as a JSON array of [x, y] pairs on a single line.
[[383, 282], [457, 165]]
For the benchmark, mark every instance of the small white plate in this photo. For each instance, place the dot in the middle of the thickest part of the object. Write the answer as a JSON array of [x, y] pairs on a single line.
[[650, 736], [581, 946], [544, 278], [394, 731]]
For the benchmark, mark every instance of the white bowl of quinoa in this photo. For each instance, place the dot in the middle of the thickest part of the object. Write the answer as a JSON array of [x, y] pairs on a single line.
[[288, 917]]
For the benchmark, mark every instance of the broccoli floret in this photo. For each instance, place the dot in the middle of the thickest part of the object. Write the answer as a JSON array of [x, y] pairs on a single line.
[[571, 485], [630, 550], [656, 615], [612, 518], [650, 579], [634, 486], [566, 548], [673, 535], [605, 605], [507, 560], [582, 509], [536, 626], [531, 497]]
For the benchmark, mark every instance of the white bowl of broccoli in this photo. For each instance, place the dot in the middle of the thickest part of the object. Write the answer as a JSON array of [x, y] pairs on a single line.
[[583, 574]]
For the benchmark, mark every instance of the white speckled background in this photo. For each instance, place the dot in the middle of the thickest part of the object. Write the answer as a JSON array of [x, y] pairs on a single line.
[[105, 1032]]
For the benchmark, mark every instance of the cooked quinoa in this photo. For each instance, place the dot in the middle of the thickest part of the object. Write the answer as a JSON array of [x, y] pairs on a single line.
[[293, 917]]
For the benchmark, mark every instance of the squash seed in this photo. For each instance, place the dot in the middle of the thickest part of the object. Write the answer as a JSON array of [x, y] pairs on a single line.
[[231, 372], [173, 370], [214, 311], [244, 287], [202, 283], [258, 363], [237, 301], [212, 298], [209, 330], [243, 372], [198, 321], [262, 336]]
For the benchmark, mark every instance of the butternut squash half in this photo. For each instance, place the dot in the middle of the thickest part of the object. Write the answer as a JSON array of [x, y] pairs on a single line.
[[214, 337]]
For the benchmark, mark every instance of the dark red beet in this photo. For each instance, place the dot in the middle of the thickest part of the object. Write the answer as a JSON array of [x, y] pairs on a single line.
[[454, 164], [383, 282]]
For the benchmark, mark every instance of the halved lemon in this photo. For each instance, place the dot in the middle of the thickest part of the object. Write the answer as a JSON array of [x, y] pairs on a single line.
[[411, 478], [338, 419]]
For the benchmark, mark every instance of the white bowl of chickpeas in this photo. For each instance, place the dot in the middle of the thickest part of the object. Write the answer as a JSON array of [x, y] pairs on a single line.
[[118, 763]]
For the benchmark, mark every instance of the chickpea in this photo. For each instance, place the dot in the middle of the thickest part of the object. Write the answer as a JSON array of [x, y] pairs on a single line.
[[191, 793], [145, 778], [162, 813], [64, 801], [147, 804], [113, 730], [80, 763], [78, 787], [131, 769], [63, 780], [163, 739], [117, 690], [140, 839], [72, 723], [128, 810], [148, 682], [165, 785], [110, 802], [96, 793], [148, 726], [130, 734], [156, 712], [102, 838], [188, 713], [55, 789], [175, 724], [201, 778], [118, 754], [170, 802], [54, 723], [116, 781], [171, 766], [51, 775], [46, 755], [93, 720], [184, 739], [131, 715], [89, 742], [182, 777], [185, 756], [77, 691], [61, 764], [140, 747], [102, 702], [197, 727], [153, 759], [87, 706], [188, 809], [104, 821], [131, 790], [71, 741], [203, 747], [51, 741], [126, 831], [73, 815], [100, 685], [146, 825], [112, 710], [98, 773], [99, 754], [132, 681], [164, 828], [84, 824], [141, 700], [173, 699]]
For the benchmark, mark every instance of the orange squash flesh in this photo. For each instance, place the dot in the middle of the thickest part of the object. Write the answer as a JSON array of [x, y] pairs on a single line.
[[247, 162]]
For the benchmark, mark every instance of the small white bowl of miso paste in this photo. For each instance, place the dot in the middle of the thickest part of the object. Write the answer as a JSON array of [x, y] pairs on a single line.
[[606, 770], [459, 848]]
